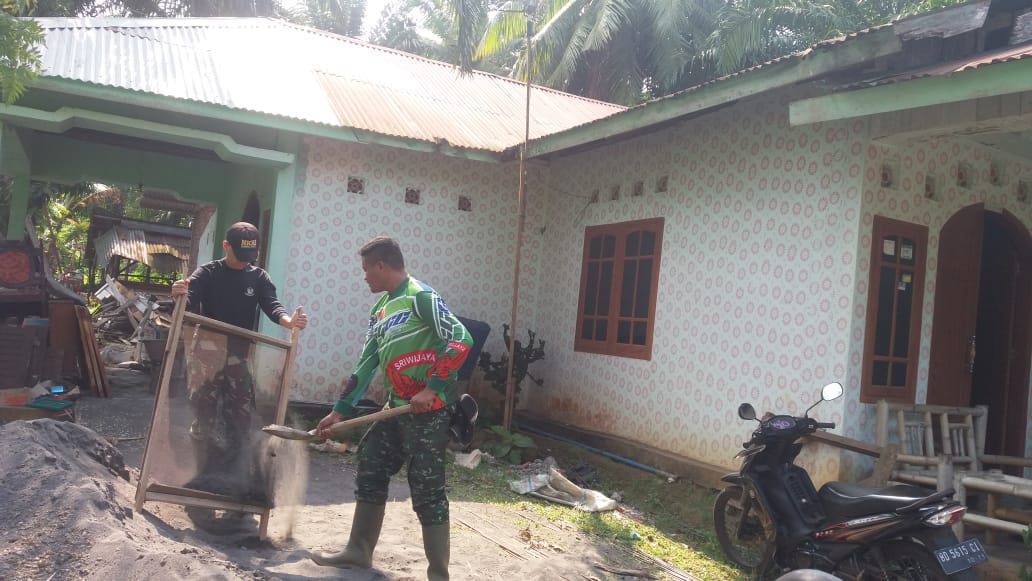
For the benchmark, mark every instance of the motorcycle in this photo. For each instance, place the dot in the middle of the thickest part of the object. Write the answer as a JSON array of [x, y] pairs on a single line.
[[771, 518]]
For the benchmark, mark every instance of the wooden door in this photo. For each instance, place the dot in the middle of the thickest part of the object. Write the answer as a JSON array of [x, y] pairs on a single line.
[[954, 343], [1002, 365]]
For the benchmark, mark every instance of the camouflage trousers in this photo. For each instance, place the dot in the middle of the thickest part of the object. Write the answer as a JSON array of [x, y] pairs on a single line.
[[224, 406], [420, 440]]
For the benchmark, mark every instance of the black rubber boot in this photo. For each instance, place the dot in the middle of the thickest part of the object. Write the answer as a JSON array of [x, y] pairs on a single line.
[[437, 543], [365, 531]]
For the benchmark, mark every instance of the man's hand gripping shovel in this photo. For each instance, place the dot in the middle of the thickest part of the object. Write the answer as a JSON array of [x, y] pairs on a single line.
[[296, 434]]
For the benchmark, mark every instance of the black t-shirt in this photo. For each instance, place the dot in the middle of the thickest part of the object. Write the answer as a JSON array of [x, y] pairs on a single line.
[[233, 296]]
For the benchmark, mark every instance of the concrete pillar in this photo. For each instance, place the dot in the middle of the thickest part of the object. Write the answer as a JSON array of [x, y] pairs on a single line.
[[283, 213], [14, 162], [19, 206]]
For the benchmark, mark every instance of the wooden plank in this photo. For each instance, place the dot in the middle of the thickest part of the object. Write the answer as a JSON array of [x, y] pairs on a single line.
[[847, 443], [234, 330], [64, 333], [98, 362], [287, 378], [189, 500], [161, 399], [89, 351]]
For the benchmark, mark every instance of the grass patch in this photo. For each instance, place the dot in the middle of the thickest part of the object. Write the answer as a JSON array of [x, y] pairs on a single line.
[[671, 521]]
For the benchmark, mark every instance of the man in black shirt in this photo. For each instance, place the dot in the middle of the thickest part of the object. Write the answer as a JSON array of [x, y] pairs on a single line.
[[230, 290]]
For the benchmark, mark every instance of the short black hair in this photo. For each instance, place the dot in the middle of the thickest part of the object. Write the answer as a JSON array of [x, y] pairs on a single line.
[[384, 249]]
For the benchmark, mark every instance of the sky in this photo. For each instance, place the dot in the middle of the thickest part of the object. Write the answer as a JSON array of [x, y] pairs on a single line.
[[372, 15]]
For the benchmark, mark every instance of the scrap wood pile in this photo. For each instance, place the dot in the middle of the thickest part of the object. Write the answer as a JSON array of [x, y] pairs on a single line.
[[132, 325]]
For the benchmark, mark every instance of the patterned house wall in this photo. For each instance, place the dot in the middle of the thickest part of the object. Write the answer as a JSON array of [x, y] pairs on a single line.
[[756, 283], [938, 158], [763, 280], [465, 255]]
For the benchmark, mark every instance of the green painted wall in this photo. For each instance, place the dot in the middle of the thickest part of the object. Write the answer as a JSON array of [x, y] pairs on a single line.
[[59, 159]]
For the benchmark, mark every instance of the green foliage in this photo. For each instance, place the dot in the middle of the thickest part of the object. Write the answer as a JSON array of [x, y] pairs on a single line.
[[496, 371], [626, 51], [19, 50], [342, 17], [510, 446]]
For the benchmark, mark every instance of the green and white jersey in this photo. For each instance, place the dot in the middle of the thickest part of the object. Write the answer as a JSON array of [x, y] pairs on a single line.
[[416, 341]]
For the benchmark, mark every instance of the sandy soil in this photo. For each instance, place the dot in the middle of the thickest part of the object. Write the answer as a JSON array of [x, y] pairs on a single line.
[[67, 513]]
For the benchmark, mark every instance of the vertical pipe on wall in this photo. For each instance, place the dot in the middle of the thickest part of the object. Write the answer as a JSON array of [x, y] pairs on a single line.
[[521, 204]]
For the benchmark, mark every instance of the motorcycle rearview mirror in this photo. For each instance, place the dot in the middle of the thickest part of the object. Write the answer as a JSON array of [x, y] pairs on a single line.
[[831, 391], [746, 411], [828, 392]]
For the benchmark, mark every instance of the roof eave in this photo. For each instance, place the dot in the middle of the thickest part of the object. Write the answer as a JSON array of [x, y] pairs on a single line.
[[254, 118], [990, 80], [809, 65]]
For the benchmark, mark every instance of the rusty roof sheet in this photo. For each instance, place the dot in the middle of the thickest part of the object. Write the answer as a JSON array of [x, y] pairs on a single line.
[[276, 68], [142, 247]]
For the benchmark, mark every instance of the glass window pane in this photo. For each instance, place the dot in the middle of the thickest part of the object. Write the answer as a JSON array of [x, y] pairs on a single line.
[[632, 244], [907, 251], [899, 374], [630, 271], [596, 247], [648, 243], [883, 322], [904, 298], [587, 328], [643, 295], [601, 326], [609, 247], [640, 331], [880, 373], [605, 288], [591, 290], [889, 248], [623, 332]]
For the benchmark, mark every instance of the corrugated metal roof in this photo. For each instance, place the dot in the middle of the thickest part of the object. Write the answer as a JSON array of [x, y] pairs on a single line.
[[1010, 53], [276, 68], [162, 253]]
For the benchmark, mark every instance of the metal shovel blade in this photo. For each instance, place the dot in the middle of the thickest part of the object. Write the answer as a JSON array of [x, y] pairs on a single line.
[[296, 434], [288, 432]]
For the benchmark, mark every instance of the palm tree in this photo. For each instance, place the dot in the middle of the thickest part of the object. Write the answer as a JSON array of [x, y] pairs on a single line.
[[628, 50], [342, 17]]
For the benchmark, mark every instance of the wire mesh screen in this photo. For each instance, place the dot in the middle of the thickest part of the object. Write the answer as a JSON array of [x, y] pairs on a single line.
[[206, 434]]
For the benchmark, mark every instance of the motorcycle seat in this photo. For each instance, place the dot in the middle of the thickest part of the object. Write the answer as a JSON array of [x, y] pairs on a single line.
[[842, 500]]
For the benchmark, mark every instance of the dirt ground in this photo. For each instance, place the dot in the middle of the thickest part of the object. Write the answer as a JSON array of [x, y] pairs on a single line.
[[68, 514]]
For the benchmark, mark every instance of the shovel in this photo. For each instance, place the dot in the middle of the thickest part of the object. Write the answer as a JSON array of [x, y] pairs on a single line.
[[296, 434]]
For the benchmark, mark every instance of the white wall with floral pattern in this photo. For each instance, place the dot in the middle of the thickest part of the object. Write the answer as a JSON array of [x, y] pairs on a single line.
[[757, 278], [466, 256], [763, 278], [905, 200]]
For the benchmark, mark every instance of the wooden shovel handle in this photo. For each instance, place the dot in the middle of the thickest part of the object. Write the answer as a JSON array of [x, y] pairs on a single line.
[[369, 418]]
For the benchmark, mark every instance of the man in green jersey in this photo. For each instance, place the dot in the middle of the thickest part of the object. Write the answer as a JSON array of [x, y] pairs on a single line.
[[419, 345]]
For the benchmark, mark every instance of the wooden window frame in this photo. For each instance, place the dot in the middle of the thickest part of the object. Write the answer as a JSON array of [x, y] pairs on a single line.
[[883, 227], [611, 347]]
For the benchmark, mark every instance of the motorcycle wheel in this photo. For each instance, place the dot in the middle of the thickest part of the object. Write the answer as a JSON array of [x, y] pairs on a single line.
[[909, 561], [747, 544]]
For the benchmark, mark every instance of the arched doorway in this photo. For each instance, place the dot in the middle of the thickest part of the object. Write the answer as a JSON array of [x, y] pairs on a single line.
[[981, 348]]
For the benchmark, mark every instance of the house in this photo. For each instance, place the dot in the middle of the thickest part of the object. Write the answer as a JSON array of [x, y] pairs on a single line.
[[856, 212], [139, 254]]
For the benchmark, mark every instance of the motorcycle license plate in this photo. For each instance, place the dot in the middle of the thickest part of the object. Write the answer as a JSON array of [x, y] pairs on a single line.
[[961, 556]]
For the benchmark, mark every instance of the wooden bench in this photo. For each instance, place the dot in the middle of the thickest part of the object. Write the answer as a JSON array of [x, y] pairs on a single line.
[[942, 447]]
